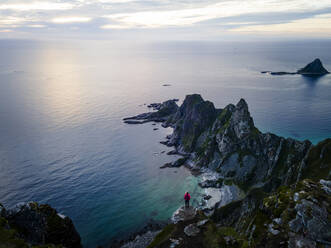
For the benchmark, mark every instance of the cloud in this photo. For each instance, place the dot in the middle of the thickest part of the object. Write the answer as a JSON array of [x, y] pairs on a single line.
[[71, 19], [318, 25], [191, 16], [116, 26], [176, 17], [6, 30], [35, 26], [115, 1], [11, 21], [36, 6]]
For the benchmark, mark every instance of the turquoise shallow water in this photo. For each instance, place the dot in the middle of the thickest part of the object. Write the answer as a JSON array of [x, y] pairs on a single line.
[[63, 141]]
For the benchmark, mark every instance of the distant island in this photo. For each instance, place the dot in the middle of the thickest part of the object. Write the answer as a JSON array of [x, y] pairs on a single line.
[[313, 69]]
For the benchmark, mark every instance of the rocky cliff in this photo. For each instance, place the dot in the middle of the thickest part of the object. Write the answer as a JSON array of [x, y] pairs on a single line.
[[36, 225], [287, 196], [227, 141]]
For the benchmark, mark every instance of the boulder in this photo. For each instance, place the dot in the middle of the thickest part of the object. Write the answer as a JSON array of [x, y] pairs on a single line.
[[191, 230]]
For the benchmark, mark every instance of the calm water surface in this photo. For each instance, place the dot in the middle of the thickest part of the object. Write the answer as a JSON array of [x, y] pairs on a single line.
[[63, 141]]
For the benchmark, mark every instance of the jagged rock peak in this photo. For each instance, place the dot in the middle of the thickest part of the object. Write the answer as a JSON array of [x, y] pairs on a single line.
[[192, 101], [195, 102], [241, 119], [193, 117], [194, 98], [313, 68], [242, 104]]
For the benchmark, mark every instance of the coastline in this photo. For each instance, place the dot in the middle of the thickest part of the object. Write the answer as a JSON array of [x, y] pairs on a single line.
[[235, 130]]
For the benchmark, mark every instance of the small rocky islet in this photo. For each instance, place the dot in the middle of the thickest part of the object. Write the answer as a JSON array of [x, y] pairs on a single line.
[[286, 182], [313, 69]]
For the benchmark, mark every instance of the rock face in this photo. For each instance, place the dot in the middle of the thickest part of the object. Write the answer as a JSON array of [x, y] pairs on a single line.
[[39, 225], [313, 68], [291, 215], [192, 118], [239, 151]]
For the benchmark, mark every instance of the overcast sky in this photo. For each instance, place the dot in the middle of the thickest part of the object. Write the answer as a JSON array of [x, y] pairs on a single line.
[[164, 19]]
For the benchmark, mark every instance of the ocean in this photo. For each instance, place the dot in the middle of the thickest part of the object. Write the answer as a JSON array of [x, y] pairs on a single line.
[[63, 142]]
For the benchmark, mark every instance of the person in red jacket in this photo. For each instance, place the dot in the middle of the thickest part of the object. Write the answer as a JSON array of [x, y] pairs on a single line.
[[187, 198]]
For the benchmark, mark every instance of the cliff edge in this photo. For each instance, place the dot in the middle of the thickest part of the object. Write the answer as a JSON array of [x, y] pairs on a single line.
[[36, 225]]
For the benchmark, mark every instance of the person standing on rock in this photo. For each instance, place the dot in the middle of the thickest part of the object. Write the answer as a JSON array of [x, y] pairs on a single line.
[[187, 198]]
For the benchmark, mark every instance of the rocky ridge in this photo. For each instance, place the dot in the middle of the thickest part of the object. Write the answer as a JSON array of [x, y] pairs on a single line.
[[227, 141]]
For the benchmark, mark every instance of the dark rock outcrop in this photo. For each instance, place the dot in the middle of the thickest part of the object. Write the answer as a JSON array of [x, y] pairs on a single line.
[[164, 111], [177, 163], [34, 224]]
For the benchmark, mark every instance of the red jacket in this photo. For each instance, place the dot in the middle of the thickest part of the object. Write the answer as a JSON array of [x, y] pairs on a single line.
[[187, 197]]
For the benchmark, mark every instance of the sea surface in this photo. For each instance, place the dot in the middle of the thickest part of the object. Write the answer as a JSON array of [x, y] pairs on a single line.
[[63, 142]]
